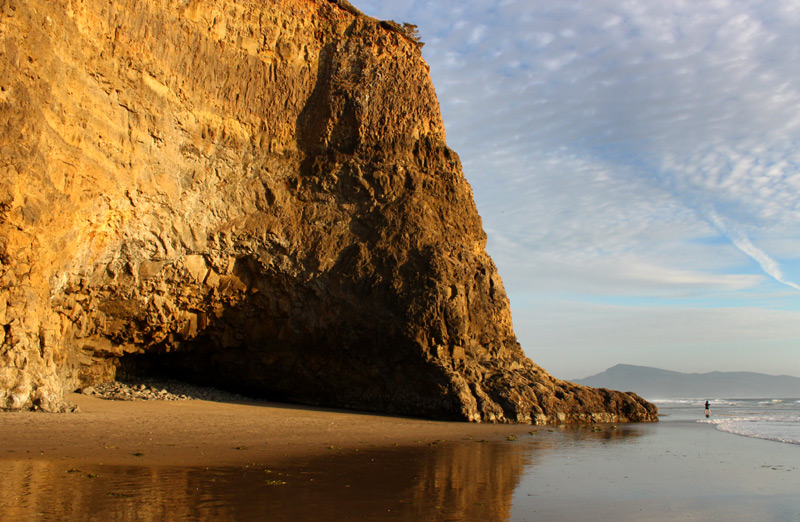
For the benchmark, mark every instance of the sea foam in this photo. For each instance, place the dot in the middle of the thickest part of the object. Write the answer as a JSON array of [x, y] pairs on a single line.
[[769, 419], [776, 419]]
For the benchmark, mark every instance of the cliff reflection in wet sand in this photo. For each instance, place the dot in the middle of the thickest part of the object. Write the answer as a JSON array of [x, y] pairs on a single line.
[[465, 480]]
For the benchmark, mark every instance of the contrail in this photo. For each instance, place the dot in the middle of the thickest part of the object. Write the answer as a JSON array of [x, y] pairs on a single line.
[[743, 243]]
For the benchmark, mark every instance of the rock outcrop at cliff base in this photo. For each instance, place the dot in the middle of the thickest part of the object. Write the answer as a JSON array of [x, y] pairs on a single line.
[[253, 195]]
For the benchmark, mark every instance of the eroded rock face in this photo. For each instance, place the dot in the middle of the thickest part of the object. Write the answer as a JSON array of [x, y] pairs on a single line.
[[255, 195]]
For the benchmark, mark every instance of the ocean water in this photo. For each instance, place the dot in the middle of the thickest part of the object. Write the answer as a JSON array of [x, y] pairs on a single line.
[[770, 419]]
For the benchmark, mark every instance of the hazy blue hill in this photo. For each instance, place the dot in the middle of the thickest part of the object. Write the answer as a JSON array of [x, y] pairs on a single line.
[[654, 383]]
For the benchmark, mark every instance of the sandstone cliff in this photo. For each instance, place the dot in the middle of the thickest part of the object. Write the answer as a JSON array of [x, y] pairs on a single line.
[[256, 195]]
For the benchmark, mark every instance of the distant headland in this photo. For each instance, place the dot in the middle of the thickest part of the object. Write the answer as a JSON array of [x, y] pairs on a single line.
[[654, 383]]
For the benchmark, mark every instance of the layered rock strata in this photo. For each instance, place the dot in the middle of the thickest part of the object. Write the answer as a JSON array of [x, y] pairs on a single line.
[[254, 195]]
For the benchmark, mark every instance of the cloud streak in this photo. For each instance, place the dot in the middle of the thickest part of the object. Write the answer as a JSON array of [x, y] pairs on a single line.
[[769, 265]]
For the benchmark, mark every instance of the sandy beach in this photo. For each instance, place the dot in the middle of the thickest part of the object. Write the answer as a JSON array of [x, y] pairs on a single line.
[[204, 433], [197, 460]]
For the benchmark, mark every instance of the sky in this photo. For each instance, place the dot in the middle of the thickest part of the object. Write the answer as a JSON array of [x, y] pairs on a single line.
[[636, 165]]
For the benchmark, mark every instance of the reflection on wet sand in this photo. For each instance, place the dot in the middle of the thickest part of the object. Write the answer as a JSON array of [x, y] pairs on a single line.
[[465, 480]]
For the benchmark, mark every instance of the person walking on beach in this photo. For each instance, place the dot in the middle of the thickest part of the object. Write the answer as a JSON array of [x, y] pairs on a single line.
[[708, 410]]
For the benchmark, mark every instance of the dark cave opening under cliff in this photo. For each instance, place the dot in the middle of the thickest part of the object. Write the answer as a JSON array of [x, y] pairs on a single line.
[[196, 367], [315, 372]]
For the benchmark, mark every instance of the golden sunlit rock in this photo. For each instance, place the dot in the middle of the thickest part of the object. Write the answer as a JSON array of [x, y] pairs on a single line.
[[254, 195]]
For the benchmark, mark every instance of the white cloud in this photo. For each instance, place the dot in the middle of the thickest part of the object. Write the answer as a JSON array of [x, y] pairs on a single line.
[[477, 34]]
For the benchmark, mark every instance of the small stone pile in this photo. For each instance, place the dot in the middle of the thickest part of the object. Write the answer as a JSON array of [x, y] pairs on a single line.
[[158, 390]]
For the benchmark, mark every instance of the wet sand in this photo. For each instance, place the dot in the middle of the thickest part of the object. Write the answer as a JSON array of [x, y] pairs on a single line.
[[674, 470], [226, 462]]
